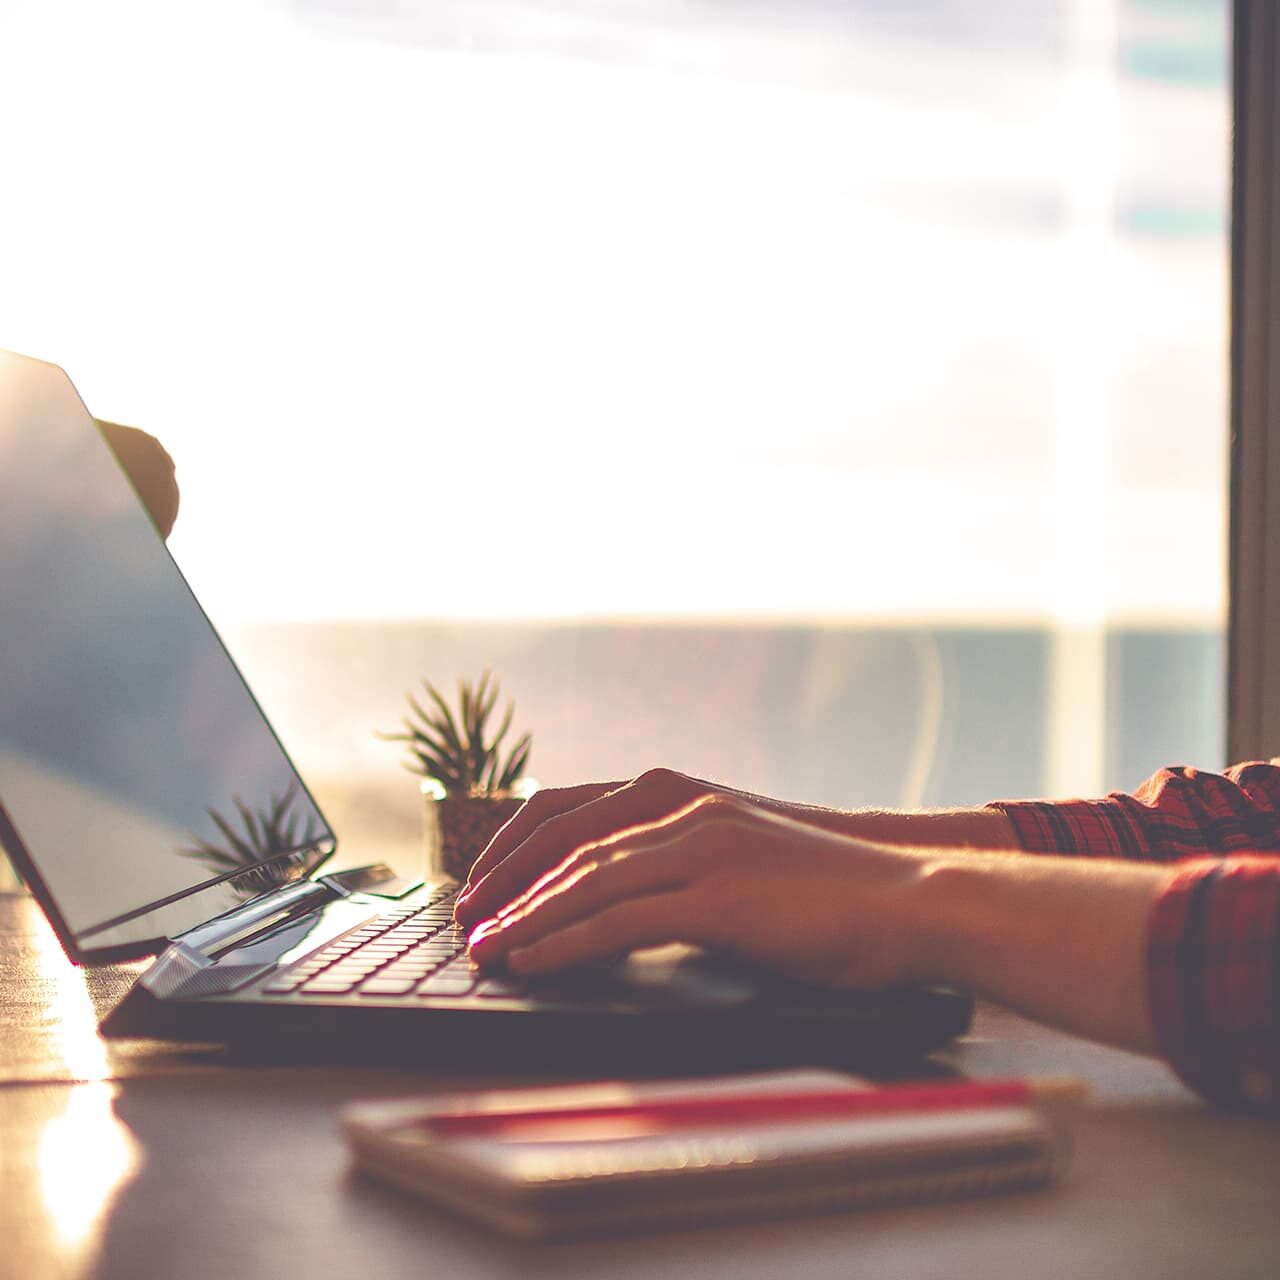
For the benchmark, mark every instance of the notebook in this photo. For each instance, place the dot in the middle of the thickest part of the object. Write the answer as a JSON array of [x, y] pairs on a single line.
[[554, 1163], [153, 811]]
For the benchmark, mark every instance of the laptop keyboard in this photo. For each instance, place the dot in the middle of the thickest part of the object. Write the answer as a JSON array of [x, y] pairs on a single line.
[[409, 952]]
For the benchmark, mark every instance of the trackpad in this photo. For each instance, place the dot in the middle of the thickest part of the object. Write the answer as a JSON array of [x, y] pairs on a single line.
[[686, 975]]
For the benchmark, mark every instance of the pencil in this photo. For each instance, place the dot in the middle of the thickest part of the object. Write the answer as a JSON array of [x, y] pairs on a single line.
[[772, 1107]]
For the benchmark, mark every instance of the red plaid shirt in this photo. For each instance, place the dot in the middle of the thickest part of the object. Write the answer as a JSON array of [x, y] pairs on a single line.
[[1213, 943]]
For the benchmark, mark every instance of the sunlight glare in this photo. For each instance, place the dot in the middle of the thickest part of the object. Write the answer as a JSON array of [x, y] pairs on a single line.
[[85, 1156], [69, 1008]]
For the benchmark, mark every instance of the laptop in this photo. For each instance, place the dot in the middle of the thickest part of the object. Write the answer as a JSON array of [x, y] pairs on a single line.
[[153, 812]]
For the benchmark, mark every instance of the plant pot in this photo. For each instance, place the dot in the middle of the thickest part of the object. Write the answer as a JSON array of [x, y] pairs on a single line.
[[457, 827]]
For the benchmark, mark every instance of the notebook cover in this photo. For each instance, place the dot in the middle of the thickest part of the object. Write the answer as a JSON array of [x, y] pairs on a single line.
[[593, 1177]]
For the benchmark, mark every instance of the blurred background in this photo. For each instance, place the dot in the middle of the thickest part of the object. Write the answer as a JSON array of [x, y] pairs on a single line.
[[828, 396]]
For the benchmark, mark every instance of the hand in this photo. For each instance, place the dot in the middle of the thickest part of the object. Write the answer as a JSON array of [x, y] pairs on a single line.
[[722, 871], [558, 820]]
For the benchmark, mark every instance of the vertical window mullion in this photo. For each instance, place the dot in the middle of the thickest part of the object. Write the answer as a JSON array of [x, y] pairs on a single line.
[[1253, 728]]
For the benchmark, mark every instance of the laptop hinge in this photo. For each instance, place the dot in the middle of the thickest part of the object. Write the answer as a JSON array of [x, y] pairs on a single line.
[[234, 928], [174, 969], [182, 972], [189, 965]]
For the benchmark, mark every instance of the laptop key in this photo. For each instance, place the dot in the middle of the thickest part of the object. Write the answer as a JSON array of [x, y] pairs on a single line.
[[282, 986], [437, 955], [388, 987], [414, 971], [446, 984], [397, 954], [498, 987]]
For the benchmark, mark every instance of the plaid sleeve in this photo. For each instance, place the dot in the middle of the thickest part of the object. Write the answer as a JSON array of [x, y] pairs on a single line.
[[1177, 813], [1213, 978], [1213, 941]]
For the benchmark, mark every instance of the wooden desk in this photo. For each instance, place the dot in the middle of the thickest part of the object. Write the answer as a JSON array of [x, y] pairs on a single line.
[[143, 1161]]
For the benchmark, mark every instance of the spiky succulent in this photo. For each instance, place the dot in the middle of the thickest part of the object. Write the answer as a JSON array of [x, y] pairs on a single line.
[[459, 750]]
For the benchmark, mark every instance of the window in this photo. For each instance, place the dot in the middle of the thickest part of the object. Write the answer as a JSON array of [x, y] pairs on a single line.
[[829, 398]]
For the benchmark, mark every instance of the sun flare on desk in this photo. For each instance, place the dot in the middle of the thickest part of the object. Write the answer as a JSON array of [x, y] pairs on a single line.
[[69, 1010], [85, 1155]]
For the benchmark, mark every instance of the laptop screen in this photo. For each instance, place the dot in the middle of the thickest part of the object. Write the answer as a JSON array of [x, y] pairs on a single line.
[[135, 765]]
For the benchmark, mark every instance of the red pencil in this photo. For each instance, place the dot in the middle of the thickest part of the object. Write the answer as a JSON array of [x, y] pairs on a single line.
[[767, 1107]]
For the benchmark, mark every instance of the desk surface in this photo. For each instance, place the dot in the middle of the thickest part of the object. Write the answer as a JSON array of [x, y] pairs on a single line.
[[148, 1160]]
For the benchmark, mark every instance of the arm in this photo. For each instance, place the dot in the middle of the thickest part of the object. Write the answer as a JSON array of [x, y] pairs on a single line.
[[1178, 960], [1177, 813], [1059, 940]]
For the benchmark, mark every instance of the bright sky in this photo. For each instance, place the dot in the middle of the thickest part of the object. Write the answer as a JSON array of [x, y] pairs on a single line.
[[437, 333]]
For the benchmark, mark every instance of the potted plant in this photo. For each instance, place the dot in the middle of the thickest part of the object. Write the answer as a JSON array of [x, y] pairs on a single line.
[[471, 782]]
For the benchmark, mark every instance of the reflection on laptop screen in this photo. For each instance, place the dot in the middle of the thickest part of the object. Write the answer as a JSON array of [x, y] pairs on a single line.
[[134, 763]]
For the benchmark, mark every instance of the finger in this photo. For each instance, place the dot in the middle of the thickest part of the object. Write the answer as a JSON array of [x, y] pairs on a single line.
[[540, 806], [612, 848], [692, 841], [698, 835], [649, 921], [587, 883], [651, 796], [673, 849]]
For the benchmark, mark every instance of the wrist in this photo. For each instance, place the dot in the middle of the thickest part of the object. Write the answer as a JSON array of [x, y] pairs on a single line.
[[947, 930], [1057, 940]]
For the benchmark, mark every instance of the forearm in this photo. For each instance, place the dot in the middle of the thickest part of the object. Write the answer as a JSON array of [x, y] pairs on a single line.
[[1060, 941], [987, 829]]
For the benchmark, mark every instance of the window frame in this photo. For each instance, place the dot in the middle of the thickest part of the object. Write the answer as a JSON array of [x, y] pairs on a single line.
[[1253, 666]]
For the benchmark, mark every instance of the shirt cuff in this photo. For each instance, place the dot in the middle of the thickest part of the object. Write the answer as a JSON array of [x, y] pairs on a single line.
[[1213, 987], [1075, 828]]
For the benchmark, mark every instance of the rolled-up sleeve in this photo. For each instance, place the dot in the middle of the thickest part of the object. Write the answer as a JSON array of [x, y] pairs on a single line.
[[1213, 938], [1177, 813], [1213, 947]]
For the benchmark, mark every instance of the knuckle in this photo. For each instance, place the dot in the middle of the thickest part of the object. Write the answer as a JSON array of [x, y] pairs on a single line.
[[714, 806], [663, 779], [542, 803]]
